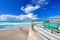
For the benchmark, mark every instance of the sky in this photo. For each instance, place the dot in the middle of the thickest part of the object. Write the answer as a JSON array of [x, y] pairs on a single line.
[[27, 9]]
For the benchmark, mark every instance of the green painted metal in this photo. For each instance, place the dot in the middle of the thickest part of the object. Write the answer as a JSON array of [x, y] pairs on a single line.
[[51, 25]]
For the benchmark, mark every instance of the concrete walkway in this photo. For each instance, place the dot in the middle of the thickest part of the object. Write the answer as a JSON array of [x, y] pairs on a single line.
[[47, 33]]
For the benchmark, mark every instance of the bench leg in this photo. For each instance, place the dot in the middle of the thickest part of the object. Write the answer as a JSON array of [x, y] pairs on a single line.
[[51, 31], [58, 32]]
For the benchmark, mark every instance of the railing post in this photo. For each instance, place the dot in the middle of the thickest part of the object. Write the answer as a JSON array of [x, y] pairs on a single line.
[[32, 23]]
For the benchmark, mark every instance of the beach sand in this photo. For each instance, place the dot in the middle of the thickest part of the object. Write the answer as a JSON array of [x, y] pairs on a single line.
[[14, 34]]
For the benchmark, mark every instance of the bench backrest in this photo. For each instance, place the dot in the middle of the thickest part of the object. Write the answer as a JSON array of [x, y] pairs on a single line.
[[51, 25]]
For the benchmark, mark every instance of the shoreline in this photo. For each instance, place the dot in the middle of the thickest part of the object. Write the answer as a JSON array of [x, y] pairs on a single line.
[[13, 28]]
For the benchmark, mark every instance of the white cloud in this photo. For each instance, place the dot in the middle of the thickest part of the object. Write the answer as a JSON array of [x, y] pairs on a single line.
[[40, 2], [27, 16], [20, 17], [57, 16], [5, 17], [30, 8]]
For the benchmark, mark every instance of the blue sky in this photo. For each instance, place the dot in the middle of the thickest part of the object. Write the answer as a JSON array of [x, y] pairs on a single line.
[[35, 8]]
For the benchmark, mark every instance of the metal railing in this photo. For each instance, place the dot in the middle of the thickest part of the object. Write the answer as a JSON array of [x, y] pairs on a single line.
[[36, 31]]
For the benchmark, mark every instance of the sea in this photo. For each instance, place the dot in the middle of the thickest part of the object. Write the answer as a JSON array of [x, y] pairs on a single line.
[[8, 24]]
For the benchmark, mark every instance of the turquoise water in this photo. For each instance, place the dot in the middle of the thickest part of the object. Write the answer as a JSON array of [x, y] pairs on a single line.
[[7, 24]]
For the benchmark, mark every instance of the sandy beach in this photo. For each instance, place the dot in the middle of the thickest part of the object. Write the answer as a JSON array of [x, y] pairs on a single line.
[[14, 34]]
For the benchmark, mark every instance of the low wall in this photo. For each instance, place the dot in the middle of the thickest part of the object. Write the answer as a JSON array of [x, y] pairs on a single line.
[[33, 36]]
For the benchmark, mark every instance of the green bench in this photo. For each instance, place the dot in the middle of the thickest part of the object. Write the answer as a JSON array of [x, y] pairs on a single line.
[[54, 26]]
